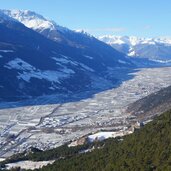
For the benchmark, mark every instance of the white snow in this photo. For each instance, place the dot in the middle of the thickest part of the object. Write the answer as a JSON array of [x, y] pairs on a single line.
[[134, 46], [64, 60], [104, 110], [30, 19], [4, 17], [2, 159], [89, 57], [29, 164], [52, 76], [81, 31], [86, 67], [103, 135], [28, 71], [133, 40], [122, 62], [67, 70], [100, 136], [6, 51], [19, 64], [161, 61], [109, 39], [132, 52], [33, 20], [87, 150]]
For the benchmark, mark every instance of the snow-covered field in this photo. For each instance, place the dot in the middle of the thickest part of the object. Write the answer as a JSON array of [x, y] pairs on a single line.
[[28, 164], [51, 124], [103, 135]]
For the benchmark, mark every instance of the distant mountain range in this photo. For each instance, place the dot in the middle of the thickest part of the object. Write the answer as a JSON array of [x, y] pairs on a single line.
[[39, 57], [154, 49]]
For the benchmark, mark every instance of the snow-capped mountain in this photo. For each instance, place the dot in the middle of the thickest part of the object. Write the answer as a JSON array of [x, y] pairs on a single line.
[[33, 65], [36, 22], [62, 35], [30, 19], [49, 28], [155, 49]]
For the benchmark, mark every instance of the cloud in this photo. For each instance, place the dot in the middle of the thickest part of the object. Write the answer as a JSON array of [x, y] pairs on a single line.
[[165, 36]]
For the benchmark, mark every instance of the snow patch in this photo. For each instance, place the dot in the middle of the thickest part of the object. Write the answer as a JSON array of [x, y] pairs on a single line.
[[161, 61], [67, 70], [64, 61], [100, 136], [28, 71], [52, 76], [89, 57], [19, 64], [122, 62], [86, 67], [7, 51], [131, 52], [29, 164]]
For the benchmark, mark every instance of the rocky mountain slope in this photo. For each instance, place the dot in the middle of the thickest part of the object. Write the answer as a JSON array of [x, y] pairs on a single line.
[[62, 35], [33, 65], [152, 105]]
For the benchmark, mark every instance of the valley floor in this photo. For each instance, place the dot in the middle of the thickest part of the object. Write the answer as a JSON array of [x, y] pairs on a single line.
[[51, 125]]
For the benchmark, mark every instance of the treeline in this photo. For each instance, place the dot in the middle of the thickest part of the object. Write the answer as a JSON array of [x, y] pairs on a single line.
[[37, 155], [58, 153]]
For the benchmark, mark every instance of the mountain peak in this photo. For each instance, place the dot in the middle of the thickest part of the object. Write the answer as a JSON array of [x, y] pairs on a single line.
[[5, 17], [30, 19]]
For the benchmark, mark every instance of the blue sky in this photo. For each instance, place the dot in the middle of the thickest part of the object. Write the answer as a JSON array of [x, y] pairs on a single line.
[[147, 18]]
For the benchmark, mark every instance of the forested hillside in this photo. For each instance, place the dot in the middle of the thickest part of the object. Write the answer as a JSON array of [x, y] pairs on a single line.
[[145, 150]]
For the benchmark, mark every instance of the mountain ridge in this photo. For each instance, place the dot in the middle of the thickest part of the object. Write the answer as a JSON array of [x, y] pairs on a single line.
[[154, 49], [33, 60]]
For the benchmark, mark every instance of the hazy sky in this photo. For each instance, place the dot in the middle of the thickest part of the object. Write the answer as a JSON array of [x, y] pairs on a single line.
[[148, 18]]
